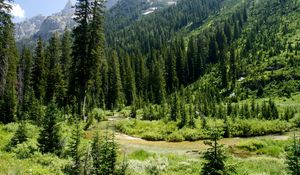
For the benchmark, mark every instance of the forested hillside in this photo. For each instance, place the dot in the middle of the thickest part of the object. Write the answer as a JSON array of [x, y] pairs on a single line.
[[91, 100]]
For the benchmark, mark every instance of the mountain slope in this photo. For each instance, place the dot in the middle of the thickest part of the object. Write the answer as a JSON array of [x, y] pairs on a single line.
[[120, 12], [43, 26]]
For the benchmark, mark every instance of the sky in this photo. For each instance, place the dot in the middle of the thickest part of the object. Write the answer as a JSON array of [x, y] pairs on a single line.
[[23, 9]]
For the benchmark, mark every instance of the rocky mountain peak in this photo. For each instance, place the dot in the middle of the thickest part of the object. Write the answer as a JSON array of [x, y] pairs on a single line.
[[68, 9]]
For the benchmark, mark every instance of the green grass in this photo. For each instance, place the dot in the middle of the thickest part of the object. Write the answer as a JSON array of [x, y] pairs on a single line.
[[260, 165], [140, 155], [275, 148], [180, 164]]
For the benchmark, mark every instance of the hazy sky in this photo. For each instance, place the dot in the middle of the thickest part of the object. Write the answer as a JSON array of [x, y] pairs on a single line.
[[23, 9]]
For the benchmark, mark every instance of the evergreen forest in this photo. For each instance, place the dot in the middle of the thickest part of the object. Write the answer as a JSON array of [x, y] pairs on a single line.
[[200, 87]]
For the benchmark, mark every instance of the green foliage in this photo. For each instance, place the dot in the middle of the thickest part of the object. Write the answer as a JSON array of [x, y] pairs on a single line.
[[98, 114], [293, 157], [254, 127], [296, 120], [215, 157], [270, 147], [158, 130], [75, 151], [26, 149], [175, 137], [25, 73], [49, 140], [152, 136], [21, 135], [115, 86], [8, 66], [193, 134], [39, 71], [104, 155], [140, 155], [55, 87], [156, 165]]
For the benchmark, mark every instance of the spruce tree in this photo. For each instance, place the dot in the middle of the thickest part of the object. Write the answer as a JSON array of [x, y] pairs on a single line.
[[55, 81], [223, 69], [233, 72], [39, 72], [213, 50], [141, 74], [75, 151], [183, 121], [96, 154], [80, 62], [104, 154], [130, 87], [159, 84], [192, 57], [115, 86], [293, 157], [181, 63], [174, 107], [215, 157], [49, 140], [66, 54], [96, 51], [24, 79], [172, 81], [20, 136], [202, 55], [8, 66]]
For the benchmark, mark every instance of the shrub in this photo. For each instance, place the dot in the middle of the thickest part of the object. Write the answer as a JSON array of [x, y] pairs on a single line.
[[26, 149], [193, 134], [255, 127], [51, 161], [175, 137], [296, 120], [11, 127], [152, 136], [154, 166], [97, 114]]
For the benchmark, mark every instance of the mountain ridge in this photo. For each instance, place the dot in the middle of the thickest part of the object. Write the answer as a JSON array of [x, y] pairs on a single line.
[[44, 26]]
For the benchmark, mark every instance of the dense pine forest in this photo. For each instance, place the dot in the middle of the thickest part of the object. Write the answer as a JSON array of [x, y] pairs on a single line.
[[208, 87]]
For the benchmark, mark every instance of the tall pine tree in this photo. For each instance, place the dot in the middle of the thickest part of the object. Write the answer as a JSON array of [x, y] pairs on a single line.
[[39, 78], [24, 79], [96, 51], [115, 96], [8, 65], [80, 70]]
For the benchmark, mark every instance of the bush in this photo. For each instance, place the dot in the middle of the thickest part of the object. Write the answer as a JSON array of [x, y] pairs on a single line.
[[296, 121], [97, 114], [26, 149], [154, 166], [51, 161], [255, 127], [175, 137], [193, 134], [152, 136], [11, 127]]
